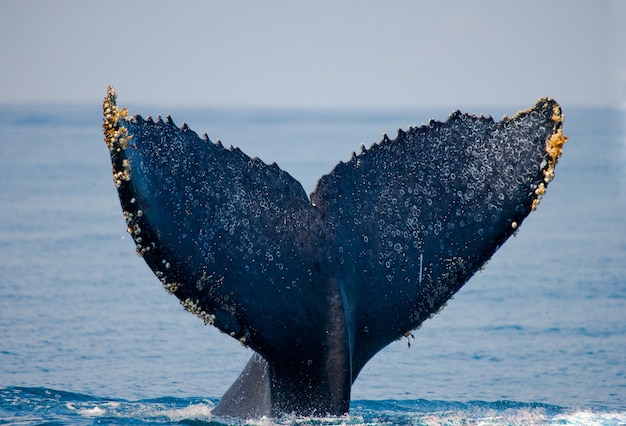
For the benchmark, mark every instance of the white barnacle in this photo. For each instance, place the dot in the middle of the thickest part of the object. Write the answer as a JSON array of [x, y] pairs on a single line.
[[170, 287], [514, 225], [209, 319], [548, 175], [541, 189], [139, 213], [188, 305], [535, 203]]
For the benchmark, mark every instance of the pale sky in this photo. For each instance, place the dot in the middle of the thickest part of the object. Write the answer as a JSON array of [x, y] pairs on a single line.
[[314, 54]]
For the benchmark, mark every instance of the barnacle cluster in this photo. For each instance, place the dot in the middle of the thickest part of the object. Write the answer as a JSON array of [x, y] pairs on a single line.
[[194, 307], [115, 135], [554, 149], [117, 139]]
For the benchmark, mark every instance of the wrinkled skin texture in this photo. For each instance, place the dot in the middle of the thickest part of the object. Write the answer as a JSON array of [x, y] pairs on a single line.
[[316, 287]]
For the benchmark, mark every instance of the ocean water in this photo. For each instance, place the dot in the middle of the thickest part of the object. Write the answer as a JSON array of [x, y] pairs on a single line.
[[88, 335]]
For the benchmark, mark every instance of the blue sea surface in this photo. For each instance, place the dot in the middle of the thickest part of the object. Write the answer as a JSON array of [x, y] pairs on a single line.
[[89, 336]]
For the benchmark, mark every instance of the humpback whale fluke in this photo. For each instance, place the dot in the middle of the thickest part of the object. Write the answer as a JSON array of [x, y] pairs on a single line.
[[316, 287]]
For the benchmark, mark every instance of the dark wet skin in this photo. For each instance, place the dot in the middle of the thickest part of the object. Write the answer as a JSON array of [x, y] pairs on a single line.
[[317, 286]]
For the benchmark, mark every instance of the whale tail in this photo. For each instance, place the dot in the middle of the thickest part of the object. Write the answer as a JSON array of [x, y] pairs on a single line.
[[317, 286]]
